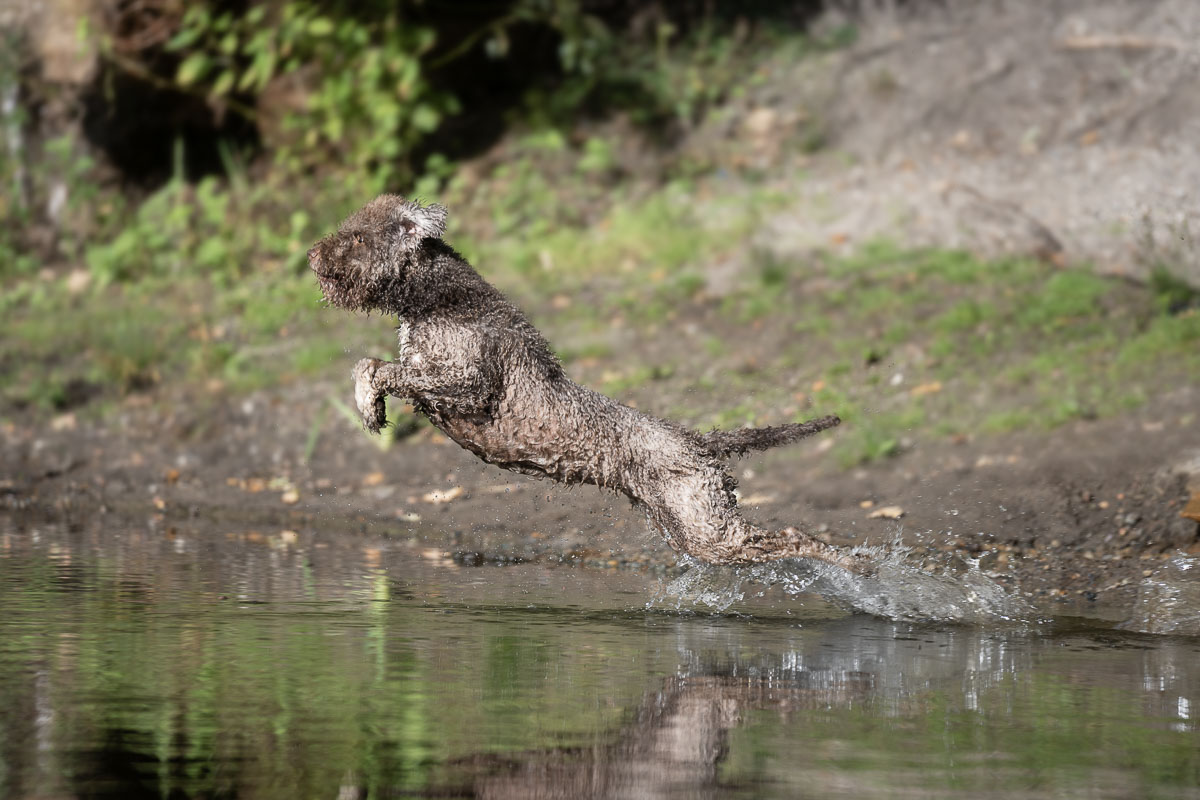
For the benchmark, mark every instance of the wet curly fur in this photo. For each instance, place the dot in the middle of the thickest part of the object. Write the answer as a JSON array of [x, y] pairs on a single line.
[[474, 364]]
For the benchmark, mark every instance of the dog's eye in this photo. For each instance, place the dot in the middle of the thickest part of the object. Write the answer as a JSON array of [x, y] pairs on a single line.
[[358, 239]]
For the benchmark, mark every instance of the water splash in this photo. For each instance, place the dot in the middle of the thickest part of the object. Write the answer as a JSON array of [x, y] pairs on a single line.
[[1168, 601], [897, 589]]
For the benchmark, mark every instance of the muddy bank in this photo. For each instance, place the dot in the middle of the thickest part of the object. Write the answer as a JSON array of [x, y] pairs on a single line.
[[1079, 515]]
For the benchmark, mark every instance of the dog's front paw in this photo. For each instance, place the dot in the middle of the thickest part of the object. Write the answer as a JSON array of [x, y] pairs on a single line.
[[371, 403]]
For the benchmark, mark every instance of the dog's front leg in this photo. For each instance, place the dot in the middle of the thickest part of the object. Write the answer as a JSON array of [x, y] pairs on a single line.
[[374, 380], [466, 387]]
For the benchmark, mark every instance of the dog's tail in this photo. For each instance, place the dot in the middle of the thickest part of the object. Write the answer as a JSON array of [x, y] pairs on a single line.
[[725, 444]]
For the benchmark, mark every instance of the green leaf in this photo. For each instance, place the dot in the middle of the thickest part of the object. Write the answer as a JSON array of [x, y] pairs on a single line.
[[185, 38], [193, 68], [425, 118], [333, 129], [299, 222], [385, 112], [197, 17], [212, 253], [320, 26], [224, 83], [261, 71]]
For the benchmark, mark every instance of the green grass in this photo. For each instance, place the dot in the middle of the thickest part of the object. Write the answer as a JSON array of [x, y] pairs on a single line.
[[120, 339], [1041, 346], [907, 345]]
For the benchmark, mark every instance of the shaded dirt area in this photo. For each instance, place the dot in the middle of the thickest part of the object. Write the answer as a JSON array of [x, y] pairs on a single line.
[[1060, 129], [1079, 515]]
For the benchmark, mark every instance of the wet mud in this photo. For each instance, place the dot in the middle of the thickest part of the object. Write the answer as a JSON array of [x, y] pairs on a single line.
[[1076, 518]]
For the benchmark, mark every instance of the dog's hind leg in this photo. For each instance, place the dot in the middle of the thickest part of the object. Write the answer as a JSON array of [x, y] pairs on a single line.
[[698, 515]]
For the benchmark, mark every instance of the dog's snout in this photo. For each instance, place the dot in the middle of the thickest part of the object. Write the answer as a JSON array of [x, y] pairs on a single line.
[[314, 256]]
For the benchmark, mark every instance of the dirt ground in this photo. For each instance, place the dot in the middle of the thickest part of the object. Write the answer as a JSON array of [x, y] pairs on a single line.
[[1062, 129]]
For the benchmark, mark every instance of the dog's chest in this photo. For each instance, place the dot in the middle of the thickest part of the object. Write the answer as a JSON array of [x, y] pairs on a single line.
[[407, 353]]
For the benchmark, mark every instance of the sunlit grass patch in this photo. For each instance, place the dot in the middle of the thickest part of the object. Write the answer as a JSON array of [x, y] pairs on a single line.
[[1067, 300], [315, 355], [940, 341], [1165, 334], [116, 339], [620, 382]]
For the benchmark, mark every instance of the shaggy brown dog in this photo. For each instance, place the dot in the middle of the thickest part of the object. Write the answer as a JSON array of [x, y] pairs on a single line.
[[472, 363]]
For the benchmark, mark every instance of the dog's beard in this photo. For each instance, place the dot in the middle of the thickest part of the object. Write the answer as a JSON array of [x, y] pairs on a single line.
[[346, 292]]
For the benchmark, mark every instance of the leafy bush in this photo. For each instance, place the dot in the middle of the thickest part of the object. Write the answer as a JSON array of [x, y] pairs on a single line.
[[209, 228], [368, 99]]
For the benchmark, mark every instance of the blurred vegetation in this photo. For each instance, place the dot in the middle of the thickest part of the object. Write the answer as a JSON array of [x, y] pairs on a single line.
[[344, 100], [551, 130], [339, 101]]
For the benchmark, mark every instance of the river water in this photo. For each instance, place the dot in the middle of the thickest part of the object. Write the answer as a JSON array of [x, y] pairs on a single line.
[[232, 662]]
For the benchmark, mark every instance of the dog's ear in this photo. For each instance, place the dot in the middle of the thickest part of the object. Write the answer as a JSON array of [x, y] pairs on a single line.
[[421, 223]]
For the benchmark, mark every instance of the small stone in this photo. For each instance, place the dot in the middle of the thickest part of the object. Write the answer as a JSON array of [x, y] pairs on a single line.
[[78, 280], [887, 512], [438, 497], [761, 121], [63, 422], [1192, 509]]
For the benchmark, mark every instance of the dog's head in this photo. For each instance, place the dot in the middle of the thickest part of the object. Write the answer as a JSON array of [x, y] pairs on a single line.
[[361, 265]]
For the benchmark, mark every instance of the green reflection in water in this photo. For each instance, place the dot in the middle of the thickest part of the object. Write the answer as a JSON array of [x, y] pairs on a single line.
[[187, 691], [357, 671]]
